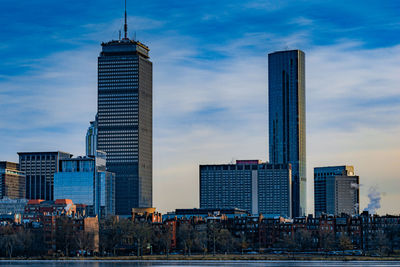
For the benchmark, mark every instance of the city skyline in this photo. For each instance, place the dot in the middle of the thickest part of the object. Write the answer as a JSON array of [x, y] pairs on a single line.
[[214, 109]]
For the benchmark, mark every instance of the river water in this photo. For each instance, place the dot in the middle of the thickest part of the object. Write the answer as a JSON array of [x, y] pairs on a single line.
[[113, 263]]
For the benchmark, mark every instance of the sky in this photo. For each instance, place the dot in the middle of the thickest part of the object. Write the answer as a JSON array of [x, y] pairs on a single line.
[[210, 83]]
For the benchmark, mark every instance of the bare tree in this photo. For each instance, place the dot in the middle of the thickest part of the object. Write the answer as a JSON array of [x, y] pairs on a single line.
[[111, 234], [345, 243], [9, 240], [303, 240], [225, 240], [65, 234], [213, 229], [163, 237], [186, 237]]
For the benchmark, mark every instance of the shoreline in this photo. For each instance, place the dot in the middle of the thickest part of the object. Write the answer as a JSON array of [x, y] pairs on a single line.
[[216, 258]]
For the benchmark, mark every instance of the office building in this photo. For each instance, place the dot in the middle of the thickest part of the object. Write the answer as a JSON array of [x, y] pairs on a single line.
[[249, 185], [39, 169], [287, 121], [85, 180], [12, 181], [12, 206], [91, 139], [125, 120], [336, 190]]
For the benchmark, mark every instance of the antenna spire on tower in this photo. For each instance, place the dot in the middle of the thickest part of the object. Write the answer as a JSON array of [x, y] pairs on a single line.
[[126, 24]]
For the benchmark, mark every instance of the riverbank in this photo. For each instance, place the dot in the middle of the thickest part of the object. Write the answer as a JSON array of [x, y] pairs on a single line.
[[220, 257]]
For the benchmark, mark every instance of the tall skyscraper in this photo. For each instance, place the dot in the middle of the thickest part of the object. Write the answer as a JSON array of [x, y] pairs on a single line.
[[125, 119], [336, 190], [91, 138], [287, 119], [12, 181], [39, 169], [249, 185]]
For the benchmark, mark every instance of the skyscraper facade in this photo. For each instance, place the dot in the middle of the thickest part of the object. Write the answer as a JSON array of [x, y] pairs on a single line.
[[12, 181], [91, 139], [85, 180], [125, 120], [336, 190], [249, 185], [39, 169], [287, 119]]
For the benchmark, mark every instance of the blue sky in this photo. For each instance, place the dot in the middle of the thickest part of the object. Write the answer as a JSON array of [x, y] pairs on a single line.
[[210, 82]]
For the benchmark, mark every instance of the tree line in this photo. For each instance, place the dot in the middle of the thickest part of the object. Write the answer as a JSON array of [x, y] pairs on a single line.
[[119, 236]]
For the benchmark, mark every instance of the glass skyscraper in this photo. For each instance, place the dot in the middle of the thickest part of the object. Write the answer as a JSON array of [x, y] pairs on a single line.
[[91, 138], [287, 119], [125, 120]]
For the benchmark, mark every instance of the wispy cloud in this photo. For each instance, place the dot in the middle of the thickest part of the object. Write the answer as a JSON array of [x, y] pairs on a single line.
[[210, 84]]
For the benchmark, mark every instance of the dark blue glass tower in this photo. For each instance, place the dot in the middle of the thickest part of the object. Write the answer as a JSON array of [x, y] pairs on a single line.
[[287, 120]]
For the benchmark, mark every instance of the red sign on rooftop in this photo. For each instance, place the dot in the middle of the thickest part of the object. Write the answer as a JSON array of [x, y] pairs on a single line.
[[252, 161]]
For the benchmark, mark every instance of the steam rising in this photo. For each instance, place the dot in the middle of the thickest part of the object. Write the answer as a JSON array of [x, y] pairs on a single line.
[[374, 200]]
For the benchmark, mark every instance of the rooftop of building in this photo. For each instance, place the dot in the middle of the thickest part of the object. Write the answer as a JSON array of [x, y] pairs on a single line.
[[9, 165], [250, 162], [50, 202], [286, 51], [44, 152], [196, 211], [125, 42]]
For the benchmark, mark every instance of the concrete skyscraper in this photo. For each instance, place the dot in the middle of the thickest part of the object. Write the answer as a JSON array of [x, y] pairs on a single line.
[[125, 119], [39, 169], [12, 180], [287, 121], [336, 190]]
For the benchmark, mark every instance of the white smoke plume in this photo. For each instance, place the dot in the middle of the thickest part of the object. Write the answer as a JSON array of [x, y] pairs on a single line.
[[374, 200]]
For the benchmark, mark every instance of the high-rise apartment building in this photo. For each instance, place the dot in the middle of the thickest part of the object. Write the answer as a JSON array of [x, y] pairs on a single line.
[[85, 180], [125, 120], [249, 185], [336, 190], [39, 169], [287, 119], [91, 139], [12, 181]]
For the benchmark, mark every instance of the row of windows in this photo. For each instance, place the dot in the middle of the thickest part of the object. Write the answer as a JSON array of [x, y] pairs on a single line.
[[105, 62], [119, 132], [103, 88], [104, 72], [113, 96], [133, 100], [117, 82]]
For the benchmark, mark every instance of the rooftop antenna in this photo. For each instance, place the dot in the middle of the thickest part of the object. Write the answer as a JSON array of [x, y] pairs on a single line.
[[126, 25], [134, 36]]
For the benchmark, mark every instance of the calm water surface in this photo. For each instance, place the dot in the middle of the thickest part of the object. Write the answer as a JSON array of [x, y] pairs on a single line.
[[194, 263]]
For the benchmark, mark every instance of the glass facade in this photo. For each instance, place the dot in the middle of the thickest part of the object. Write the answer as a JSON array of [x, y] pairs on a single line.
[[85, 180], [125, 120], [287, 120], [77, 186], [254, 187], [91, 138]]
